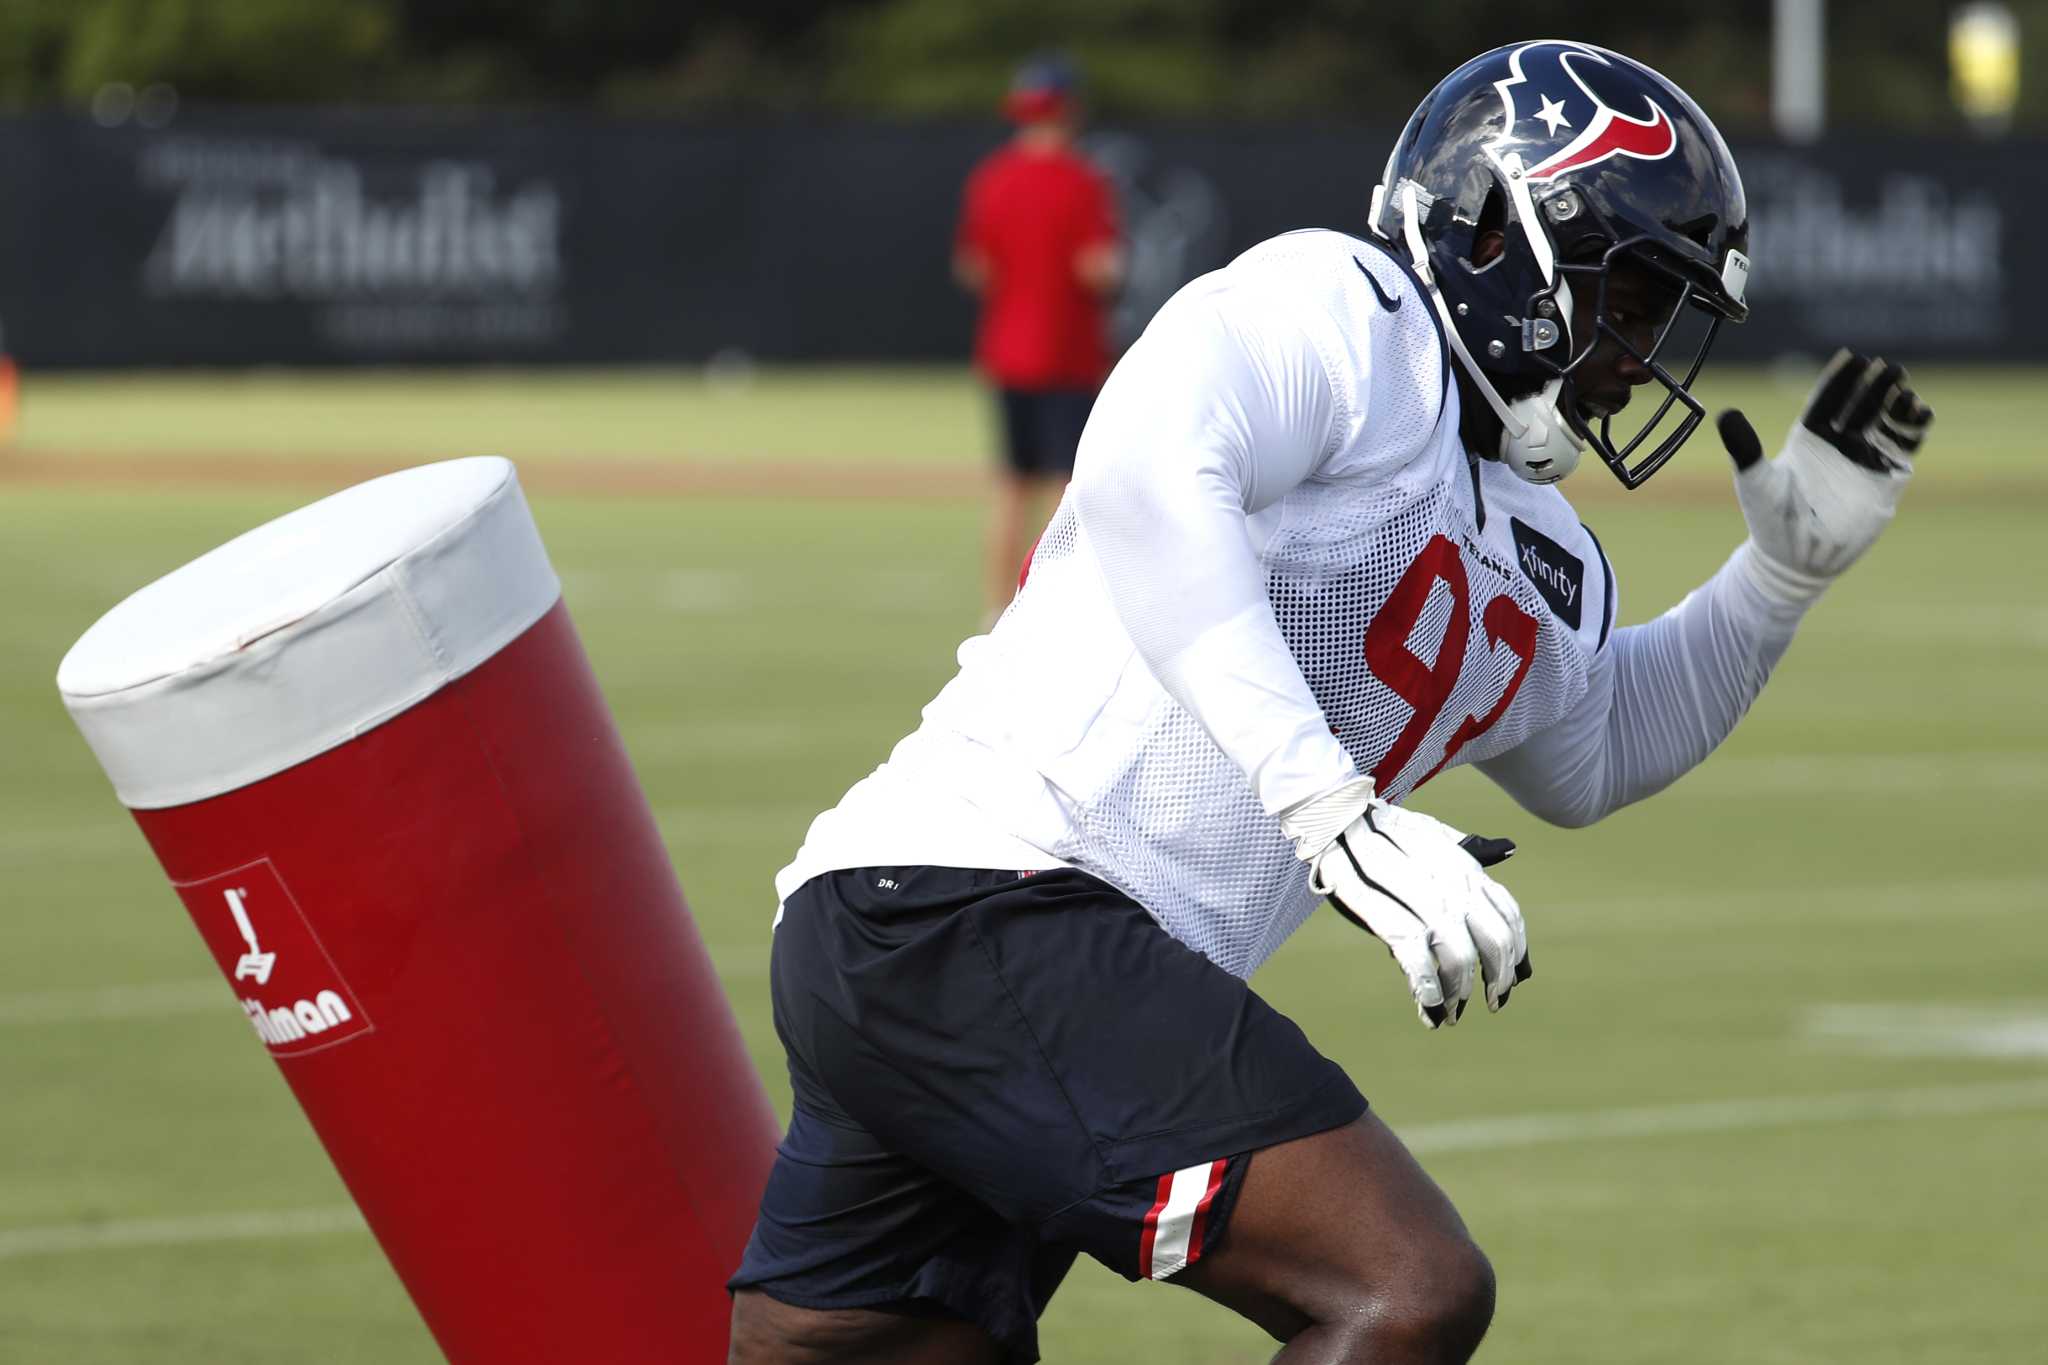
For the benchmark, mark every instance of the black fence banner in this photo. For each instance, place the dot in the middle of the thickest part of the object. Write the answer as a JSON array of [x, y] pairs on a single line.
[[328, 237]]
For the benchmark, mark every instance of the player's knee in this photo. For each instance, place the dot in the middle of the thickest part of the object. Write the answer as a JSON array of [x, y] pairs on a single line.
[[754, 1338], [1441, 1310], [1435, 1308], [768, 1332]]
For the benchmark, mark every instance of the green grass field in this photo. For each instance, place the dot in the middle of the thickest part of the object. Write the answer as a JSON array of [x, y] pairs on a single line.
[[1778, 1095]]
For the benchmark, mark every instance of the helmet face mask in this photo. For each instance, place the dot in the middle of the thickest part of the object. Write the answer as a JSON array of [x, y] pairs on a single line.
[[1527, 183], [1670, 343]]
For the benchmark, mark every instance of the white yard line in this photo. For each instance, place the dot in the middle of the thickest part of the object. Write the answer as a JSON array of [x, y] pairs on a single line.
[[1694, 911], [678, 590], [1761, 776], [203, 995], [680, 740], [115, 834], [706, 591], [741, 961], [781, 822], [2008, 1032], [1998, 626], [194, 995], [1721, 912], [701, 590], [1461, 1135], [1701, 911], [118, 1234], [1726, 1116], [1872, 776]]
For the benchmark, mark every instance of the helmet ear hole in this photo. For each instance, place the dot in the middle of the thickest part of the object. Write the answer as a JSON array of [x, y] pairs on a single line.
[[1489, 233]]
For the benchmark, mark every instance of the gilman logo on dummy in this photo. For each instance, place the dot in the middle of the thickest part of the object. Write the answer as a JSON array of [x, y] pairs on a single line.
[[293, 994]]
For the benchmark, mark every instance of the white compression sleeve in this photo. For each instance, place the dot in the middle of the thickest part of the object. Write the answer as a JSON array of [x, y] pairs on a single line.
[[1218, 411], [1663, 694]]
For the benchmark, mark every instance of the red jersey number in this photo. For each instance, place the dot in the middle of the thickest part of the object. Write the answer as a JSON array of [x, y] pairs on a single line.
[[1425, 686]]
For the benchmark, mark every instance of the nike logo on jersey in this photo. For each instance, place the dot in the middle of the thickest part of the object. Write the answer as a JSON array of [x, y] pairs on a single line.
[[1392, 305], [1557, 573]]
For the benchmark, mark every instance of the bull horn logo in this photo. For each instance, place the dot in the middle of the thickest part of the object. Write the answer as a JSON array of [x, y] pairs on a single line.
[[1603, 131]]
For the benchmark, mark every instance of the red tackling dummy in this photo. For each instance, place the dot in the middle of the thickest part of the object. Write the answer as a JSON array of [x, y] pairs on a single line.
[[369, 752]]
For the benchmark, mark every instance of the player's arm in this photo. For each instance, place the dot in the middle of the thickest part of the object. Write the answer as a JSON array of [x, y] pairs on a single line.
[[1099, 266], [970, 268], [1221, 408], [1216, 412], [1665, 693], [1099, 261], [970, 261]]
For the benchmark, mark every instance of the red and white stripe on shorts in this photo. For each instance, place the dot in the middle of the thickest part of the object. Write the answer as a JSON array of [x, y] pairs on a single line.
[[1172, 1237]]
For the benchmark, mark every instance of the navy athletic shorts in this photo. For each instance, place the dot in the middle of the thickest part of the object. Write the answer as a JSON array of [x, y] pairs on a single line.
[[1042, 429], [996, 1071]]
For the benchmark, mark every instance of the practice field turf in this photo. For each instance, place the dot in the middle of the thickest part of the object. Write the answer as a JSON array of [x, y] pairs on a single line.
[[1778, 1093]]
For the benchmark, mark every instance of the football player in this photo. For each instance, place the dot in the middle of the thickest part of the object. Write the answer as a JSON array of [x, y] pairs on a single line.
[[1312, 555]]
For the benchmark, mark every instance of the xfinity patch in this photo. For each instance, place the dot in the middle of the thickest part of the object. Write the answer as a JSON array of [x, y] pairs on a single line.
[[1557, 573]]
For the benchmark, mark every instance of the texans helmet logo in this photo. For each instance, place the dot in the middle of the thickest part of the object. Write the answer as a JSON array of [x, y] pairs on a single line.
[[1548, 101]]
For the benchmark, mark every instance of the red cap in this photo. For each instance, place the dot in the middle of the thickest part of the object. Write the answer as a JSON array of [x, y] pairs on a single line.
[[1043, 88], [1034, 106]]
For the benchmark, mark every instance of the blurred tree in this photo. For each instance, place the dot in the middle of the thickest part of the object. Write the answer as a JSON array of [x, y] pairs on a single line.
[[1236, 59], [32, 38], [67, 50], [940, 57]]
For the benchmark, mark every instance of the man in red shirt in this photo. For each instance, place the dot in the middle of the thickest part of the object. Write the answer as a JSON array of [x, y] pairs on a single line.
[[1038, 243]]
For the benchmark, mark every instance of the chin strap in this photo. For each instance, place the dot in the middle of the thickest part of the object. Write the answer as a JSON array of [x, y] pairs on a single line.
[[1534, 415], [1547, 449], [1411, 233]]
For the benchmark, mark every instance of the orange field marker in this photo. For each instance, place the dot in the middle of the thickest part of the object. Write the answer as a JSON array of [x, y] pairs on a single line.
[[10, 397]]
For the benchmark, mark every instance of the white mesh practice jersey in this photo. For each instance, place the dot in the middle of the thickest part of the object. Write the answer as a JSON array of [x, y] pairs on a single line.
[[1276, 569]]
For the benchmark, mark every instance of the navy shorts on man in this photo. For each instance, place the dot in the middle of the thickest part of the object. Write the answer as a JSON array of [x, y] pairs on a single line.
[[994, 1072], [1042, 429]]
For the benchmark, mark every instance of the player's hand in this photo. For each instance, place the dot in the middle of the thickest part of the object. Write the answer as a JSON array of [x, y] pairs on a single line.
[[1833, 488], [1417, 885]]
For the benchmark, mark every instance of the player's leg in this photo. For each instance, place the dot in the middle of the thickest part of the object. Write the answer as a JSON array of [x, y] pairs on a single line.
[[1237, 1159], [1009, 513], [1041, 497], [1340, 1245], [1062, 417], [1010, 503], [768, 1332], [886, 1231], [852, 1243], [856, 1250], [1007, 1066]]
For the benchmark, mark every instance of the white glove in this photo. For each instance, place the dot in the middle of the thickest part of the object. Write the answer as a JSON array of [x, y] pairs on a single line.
[[1822, 502], [1415, 884]]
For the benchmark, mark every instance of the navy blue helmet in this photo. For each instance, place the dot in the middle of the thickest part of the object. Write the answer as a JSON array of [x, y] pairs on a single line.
[[1581, 158]]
